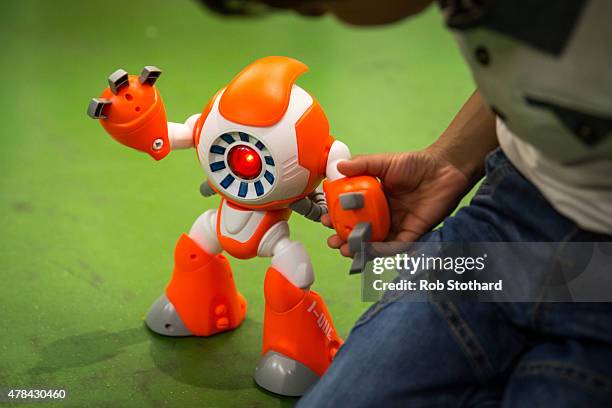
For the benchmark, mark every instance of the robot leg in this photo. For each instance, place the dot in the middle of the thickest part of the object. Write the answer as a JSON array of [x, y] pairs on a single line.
[[201, 298], [299, 340]]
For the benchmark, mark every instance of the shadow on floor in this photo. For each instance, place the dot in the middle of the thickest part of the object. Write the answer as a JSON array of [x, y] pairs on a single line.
[[221, 362]]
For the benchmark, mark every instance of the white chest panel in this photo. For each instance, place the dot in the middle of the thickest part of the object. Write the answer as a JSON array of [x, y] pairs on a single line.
[[239, 224], [281, 177]]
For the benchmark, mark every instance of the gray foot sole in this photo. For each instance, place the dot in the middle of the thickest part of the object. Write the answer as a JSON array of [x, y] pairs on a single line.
[[282, 375], [163, 319]]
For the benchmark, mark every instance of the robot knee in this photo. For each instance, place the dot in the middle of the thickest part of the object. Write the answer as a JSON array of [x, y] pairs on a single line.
[[204, 232], [277, 233], [292, 261]]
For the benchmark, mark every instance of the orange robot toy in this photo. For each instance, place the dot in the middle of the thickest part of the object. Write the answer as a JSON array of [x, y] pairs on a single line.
[[265, 147]]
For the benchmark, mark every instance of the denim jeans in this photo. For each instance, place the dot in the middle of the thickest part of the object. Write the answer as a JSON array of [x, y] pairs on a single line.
[[439, 354]]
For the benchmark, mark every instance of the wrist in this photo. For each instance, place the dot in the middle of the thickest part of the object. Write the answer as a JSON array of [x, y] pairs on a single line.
[[469, 138], [469, 163]]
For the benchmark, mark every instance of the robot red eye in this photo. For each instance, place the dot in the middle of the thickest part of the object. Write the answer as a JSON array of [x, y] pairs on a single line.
[[244, 161]]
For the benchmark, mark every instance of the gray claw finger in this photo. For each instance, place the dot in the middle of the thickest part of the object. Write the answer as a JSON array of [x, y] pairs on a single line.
[[351, 201], [117, 80], [149, 74], [357, 240], [358, 264], [359, 235], [96, 108]]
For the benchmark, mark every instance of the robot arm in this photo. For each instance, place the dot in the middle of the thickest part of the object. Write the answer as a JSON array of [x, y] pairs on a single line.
[[181, 134], [357, 206], [337, 153], [131, 110]]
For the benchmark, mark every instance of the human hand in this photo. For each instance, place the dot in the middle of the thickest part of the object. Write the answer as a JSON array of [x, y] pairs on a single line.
[[422, 188]]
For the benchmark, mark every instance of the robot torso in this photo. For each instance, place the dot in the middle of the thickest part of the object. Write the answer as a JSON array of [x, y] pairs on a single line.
[[263, 141]]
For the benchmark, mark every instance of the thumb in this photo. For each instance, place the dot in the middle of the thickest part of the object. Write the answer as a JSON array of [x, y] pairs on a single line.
[[372, 165]]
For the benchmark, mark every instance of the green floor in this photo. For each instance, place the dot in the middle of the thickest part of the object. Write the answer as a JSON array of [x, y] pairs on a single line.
[[87, 227]]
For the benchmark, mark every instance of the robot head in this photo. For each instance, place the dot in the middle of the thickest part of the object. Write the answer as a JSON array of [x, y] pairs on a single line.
[[262, 140]]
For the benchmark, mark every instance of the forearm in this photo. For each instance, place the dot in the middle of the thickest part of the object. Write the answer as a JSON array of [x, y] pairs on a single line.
[[181, 134], [469, 137]]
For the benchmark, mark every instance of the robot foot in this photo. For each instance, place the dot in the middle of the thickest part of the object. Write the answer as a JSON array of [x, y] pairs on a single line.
[[282, 375], [163, 319], [201, 295], [299, 341]]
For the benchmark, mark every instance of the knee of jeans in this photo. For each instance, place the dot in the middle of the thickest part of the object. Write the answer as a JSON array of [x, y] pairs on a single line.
[[387, 299], [397, 348], [368, 314]]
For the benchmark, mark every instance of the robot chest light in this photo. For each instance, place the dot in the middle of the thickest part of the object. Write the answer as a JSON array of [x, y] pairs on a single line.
[[257, 166], [241, 165]]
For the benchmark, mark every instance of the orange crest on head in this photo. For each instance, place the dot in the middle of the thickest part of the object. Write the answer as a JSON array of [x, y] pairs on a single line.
[[259, 94]]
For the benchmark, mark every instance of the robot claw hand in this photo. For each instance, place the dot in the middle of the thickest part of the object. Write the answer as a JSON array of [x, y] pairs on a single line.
[[131, 110], [359, 213]]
